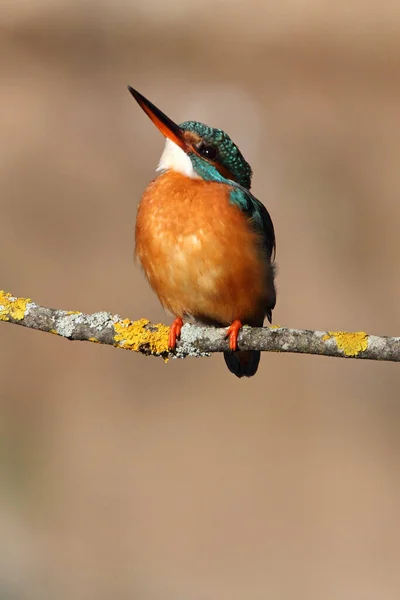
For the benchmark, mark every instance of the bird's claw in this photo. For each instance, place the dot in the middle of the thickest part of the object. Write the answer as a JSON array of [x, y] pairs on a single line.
[[174, 332], [232, 333]]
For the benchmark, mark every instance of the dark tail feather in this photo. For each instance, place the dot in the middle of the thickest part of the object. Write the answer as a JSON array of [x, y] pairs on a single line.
[[242, 364]]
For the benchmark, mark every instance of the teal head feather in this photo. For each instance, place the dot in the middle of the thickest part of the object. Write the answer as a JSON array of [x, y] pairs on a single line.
[[213, 148]]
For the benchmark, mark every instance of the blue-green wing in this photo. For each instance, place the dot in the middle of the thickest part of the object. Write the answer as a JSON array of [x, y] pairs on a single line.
[[257, 214]]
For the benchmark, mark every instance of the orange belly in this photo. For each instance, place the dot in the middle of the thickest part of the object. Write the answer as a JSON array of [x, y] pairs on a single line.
[[199, 253]]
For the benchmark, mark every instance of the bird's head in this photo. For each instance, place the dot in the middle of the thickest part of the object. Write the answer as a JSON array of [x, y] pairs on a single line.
[[197, 150]]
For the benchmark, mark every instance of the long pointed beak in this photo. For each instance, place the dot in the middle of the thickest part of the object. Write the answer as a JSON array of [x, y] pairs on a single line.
[[168, 128]]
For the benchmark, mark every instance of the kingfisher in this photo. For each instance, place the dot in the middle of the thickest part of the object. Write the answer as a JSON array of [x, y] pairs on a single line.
[[205, 243]]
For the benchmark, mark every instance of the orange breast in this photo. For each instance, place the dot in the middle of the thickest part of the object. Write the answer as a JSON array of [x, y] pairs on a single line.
[[199, 253]]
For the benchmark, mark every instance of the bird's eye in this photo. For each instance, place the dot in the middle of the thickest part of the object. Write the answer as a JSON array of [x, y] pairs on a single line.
[[209, 152]]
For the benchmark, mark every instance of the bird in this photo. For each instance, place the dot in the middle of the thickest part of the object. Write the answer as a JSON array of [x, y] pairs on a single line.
[[206, 244]]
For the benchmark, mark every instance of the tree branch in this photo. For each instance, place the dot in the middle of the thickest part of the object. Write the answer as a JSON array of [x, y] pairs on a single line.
[[142, 336]]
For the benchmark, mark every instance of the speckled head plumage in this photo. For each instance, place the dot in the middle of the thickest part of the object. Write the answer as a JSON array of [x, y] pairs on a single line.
[[216, 147], [197, 150]]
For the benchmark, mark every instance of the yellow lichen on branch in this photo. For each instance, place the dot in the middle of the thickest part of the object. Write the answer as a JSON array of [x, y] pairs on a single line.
[[134, 335], [12, 307], [350, 343]]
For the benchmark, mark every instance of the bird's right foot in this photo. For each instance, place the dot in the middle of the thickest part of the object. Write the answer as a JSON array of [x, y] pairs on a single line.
[[174, 332]]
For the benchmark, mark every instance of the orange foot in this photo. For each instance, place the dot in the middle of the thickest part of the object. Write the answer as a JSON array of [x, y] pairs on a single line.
[[174, 332], [232, 333]]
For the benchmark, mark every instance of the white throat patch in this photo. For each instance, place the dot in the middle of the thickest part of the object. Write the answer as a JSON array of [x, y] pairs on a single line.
[[175, 159]]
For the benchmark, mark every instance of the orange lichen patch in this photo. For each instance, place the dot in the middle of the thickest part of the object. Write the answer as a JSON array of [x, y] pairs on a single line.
[[12, 307], [135, 335], [73, 312], [94, 340], [54, 332], [351, 344]]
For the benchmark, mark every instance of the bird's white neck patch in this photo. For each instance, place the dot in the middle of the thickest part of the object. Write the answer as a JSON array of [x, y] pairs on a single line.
[[175, 159]]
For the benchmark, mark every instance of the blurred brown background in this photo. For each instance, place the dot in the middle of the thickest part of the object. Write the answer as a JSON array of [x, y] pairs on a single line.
[[120, 476]]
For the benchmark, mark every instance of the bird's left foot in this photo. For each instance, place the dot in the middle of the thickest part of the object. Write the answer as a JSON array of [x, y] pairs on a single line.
[[232, 333], [174, 332]]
